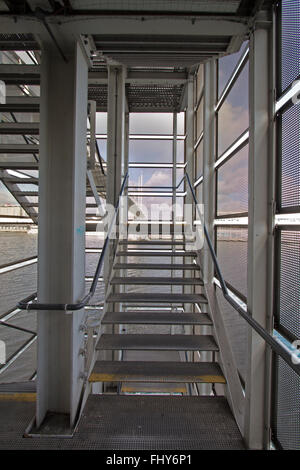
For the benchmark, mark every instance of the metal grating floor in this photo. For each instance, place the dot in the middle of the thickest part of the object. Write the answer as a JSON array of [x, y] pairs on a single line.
[[114, 422]]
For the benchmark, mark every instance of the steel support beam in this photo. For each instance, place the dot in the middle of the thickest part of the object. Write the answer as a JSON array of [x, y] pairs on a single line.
[[261, 122], [116, 25], [61, 243], [115, 139], [210, 75]]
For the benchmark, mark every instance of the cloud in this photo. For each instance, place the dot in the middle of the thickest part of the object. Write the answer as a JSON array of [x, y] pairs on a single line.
[[232, 122], [233, 184]]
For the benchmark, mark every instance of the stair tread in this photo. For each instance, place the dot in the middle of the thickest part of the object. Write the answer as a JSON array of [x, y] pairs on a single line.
[[176, 254], [153, 242], [157, 342], [157, 280], [146, 371], [158, 422], [156, 318], [174, 267], [157, 297]]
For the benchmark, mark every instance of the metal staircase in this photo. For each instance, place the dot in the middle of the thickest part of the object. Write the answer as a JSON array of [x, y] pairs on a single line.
[[174, 313], [160, 377]]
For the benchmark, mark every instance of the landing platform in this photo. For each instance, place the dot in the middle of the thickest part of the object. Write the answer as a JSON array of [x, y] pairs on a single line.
[[113, 422]]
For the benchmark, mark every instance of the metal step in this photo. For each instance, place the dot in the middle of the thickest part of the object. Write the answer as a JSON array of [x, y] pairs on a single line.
[[157, 342], [177, 254], [153, 242], [155, 318], [143, 371], [175, 281], [161, 423], [174, 267], [157, 298]]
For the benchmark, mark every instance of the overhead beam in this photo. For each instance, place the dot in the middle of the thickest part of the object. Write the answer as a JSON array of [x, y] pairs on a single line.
[[23, 74], [115, 25]]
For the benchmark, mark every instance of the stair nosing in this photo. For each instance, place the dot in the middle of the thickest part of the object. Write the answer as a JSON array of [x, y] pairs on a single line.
[[157, 372]]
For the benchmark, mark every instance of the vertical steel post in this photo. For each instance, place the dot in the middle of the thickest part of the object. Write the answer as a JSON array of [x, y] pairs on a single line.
[[115, 142], [61, 238], [210, 75], [261, 122]]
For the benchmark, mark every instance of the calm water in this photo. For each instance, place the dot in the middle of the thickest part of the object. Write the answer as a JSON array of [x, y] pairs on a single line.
[[22, 282]]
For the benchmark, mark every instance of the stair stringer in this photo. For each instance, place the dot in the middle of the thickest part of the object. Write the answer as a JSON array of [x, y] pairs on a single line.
[[234, 390]]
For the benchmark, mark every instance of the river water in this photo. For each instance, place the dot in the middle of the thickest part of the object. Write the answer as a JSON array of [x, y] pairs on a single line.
[[19, 283]]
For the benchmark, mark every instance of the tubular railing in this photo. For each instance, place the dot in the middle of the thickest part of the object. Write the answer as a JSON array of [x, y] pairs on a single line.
[[269, 339], [27, 303]]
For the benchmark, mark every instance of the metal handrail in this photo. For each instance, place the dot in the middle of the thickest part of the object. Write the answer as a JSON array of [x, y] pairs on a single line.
[[27, 303], [269, 339]]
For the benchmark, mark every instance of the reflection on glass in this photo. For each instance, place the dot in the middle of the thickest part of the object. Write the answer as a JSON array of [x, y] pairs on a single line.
[[150, 151], [102, 146], [232, 249], [232, 184], [199, 160], [140, 177], [233, 116], [151, 123], [226, 65], [101, 123]]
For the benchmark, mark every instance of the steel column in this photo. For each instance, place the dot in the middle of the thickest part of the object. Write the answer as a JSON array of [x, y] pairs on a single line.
[[61, 241], [260, 96], [210, 74]]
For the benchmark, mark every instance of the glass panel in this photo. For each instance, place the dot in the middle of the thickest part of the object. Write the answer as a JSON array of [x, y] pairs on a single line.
[[150, 151], [17, 246], [199, 160], [226, 66], [102, 146], [232, 184], [199, 82], [152, 208], [237, 329], [180, 151], [233, 116], [232, 248], [150, 177], [199, 120], [101, 123], [5, 196], [151, 123], [180, 123], [17, 285]]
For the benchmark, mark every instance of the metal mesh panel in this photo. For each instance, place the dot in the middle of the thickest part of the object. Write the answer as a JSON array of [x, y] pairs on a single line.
[[286, 419], [232, 248], [232, 185], [290, 156], [289, 278], [237, 329], [290, 42]]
